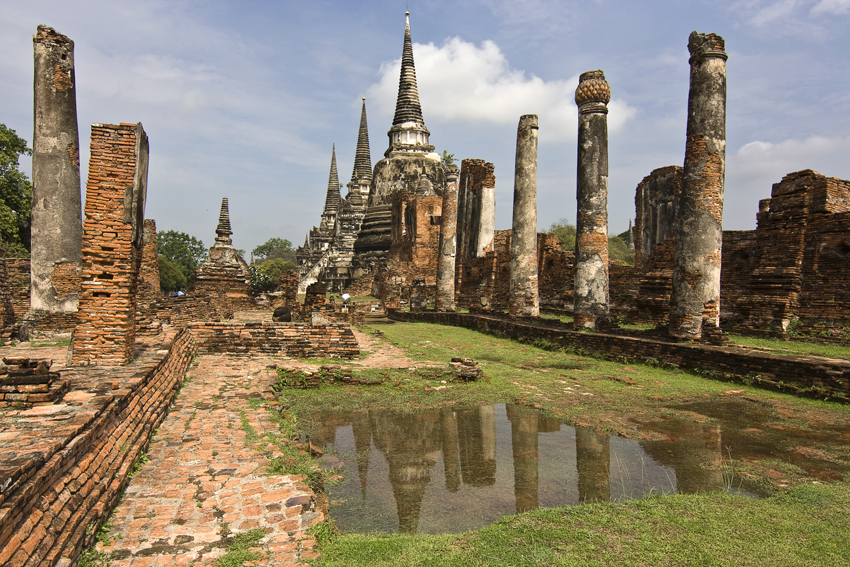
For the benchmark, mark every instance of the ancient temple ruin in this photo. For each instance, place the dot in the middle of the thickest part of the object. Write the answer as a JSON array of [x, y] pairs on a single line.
[[112, 241], [224, 275], [328, 251], [409, 166]]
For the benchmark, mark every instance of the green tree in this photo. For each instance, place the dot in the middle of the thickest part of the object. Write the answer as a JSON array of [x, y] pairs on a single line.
[[274, 248], [184, 251], [618, 250], [566, 232], [447, 158], [276, 266], [15, 195], [171, 278]]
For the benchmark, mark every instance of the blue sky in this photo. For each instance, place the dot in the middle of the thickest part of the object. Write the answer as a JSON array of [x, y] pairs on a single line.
[[244, 99]]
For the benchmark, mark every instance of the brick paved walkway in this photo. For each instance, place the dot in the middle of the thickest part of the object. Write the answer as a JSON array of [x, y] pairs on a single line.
[[202, 483]]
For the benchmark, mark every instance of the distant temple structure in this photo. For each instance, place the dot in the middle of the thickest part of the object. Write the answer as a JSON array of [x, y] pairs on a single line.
[[356, 233]]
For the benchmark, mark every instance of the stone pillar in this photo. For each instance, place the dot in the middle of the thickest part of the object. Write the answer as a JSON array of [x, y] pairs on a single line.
[[445, 300], [695, 301], [115, 208], [57, 228], [591, 283], [524, 300]]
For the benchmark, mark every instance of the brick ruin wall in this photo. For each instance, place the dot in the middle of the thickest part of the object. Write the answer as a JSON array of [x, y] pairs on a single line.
[[61, 487], [800, 375], [106, 328], [415, 248], [485, 281], [18, 270], [297, 340]]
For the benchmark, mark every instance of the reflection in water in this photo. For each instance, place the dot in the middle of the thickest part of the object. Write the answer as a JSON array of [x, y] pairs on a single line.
[[592, 452], [524, 441], [452, 470]]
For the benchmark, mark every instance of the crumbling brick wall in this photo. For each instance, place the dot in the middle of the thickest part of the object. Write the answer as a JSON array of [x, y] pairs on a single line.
[[18, 270], [112, 237], [57, 488], [300, 340], [415, 246], [484, 283], [557, 270]]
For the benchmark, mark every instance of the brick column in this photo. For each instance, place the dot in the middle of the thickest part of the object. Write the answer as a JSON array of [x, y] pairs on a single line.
[[695, 301], [112, 242], [445, 300], [56, 218], [591, 282], [524, 300]]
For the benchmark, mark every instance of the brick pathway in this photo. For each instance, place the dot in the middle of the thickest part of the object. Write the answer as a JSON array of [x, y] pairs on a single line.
[[202, 484]]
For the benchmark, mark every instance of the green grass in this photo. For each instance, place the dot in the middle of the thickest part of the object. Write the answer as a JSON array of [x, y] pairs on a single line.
[[793, 347], [239, 551], [602, 392], [807, 525]]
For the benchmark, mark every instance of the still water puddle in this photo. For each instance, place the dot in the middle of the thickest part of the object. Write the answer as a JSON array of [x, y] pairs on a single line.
[[452, 470]]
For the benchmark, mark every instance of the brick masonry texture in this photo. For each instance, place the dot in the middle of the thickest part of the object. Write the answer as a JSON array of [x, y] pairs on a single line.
[[802, 375], [106, 331], [205, 481], [63, 466], [299, 340]]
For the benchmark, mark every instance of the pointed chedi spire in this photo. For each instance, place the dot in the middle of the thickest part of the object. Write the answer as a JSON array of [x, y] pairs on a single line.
[[223, 230], [408, 132], [332, 200], [407, 107], [362, 157]]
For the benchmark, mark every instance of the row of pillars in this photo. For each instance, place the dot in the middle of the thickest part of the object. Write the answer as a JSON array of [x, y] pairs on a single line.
[[695, 301]]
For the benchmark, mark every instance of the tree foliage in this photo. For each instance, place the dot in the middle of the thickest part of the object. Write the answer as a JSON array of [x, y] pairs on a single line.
[[15, 194], [184, 251], [618, 249], [260, 281], [447, 158], [171, 278], [274, 267], [566, 232], [274, 248]]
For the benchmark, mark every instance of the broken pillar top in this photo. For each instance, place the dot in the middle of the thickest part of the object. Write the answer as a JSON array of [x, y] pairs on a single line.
[[593, 91], [46, 34], [706, 45], [223, 231]]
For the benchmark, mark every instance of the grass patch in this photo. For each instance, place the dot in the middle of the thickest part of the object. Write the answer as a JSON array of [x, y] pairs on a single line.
[[793, 347], [240, 549], [807, 526], [52, 343]]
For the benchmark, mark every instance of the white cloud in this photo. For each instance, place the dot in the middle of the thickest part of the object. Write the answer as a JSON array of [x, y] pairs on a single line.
[[459, 81], [832, 7], [760, 159], [773, 12]]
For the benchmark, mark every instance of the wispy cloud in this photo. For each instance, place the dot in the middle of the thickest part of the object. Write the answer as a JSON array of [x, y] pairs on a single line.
[[835, 7]]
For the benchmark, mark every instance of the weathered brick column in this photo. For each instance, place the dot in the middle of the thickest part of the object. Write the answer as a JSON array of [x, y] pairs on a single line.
[[445, 300], [56, 218], [524, 300], [695, 301], [149, 285], [591, 282], [112, 245]]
